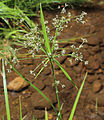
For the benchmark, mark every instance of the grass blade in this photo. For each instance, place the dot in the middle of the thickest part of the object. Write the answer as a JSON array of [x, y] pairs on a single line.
[[46, 114], [5, 91], [47, 45], [72, 39], [20, 108], [77, 98], [26, 18], [42, 68], [65, 72], [3, 117], [6, 21]]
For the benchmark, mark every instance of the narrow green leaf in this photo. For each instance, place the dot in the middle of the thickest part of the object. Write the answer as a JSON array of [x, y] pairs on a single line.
[[6, 21], [3, 117], [13, 31], [64, 72], [26, 18], [77, 98], [5, 91], [20, 108], [46, 114], [47, 45], [42, 68], [72, 39], [96, 107]]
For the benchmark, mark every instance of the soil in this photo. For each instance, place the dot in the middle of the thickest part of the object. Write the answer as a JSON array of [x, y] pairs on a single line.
[[33, 104]]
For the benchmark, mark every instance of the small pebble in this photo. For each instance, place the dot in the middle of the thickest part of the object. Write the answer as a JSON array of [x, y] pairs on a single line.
[[97, 86]]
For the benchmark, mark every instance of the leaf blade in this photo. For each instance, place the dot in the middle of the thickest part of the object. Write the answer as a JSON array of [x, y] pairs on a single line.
[[69, 78], [47, 45], [77, 98]]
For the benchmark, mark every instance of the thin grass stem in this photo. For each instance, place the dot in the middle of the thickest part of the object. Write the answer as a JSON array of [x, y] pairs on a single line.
[[52, 66], [5, 91], [20, 108]]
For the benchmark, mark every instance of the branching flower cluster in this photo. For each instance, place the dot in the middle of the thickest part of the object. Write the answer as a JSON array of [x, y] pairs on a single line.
[[59, 23], [34, 38], [79, 57]]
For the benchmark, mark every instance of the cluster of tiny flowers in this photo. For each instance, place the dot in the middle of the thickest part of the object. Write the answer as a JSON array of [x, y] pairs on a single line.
[[49, 55], [33, 40], [60, 22], [80, 17], [47, 29], [32, 72], [50, 38], [63, 52], [14, 60], [56, 45], [59, 83], [10, 69], [76, 55], [21, 20]]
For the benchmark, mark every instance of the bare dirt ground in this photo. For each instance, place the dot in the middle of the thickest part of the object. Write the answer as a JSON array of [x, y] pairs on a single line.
[[93, 51]]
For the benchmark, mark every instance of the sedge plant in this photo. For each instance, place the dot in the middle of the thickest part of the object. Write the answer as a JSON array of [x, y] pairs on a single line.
[[51, 52]]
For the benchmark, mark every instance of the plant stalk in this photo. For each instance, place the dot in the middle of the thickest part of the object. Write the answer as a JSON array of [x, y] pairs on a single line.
[[57, 95], [5, 91]]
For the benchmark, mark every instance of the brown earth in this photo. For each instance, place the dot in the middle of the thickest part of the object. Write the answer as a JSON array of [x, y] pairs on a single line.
[[33, 103]]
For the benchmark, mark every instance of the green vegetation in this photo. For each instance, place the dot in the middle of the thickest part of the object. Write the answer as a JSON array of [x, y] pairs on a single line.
[[17, 29]]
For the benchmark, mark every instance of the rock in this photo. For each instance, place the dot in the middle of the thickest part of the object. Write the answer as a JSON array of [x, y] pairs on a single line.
[[99, 96], [39, 84], [99, 71], [46, 71], [93, 49], [78, 68], [96, 48], [97, 86], [39, 114], [92, 64], [91, 78], [91, 72], [17, 84], [102, 66], [93, 40], [85, 54], [48, 81], [92, 29], [28, 62], [102, 54], [101, 76], [39, 102], [98, 57]]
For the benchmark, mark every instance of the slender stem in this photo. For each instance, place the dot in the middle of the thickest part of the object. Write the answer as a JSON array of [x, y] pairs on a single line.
[[52, 66], [54, 39], [5, 91], [20, 108]]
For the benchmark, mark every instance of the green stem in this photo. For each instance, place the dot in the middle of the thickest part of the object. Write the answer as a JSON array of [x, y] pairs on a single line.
[[52, 66], [5, 91], [20, 108]]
